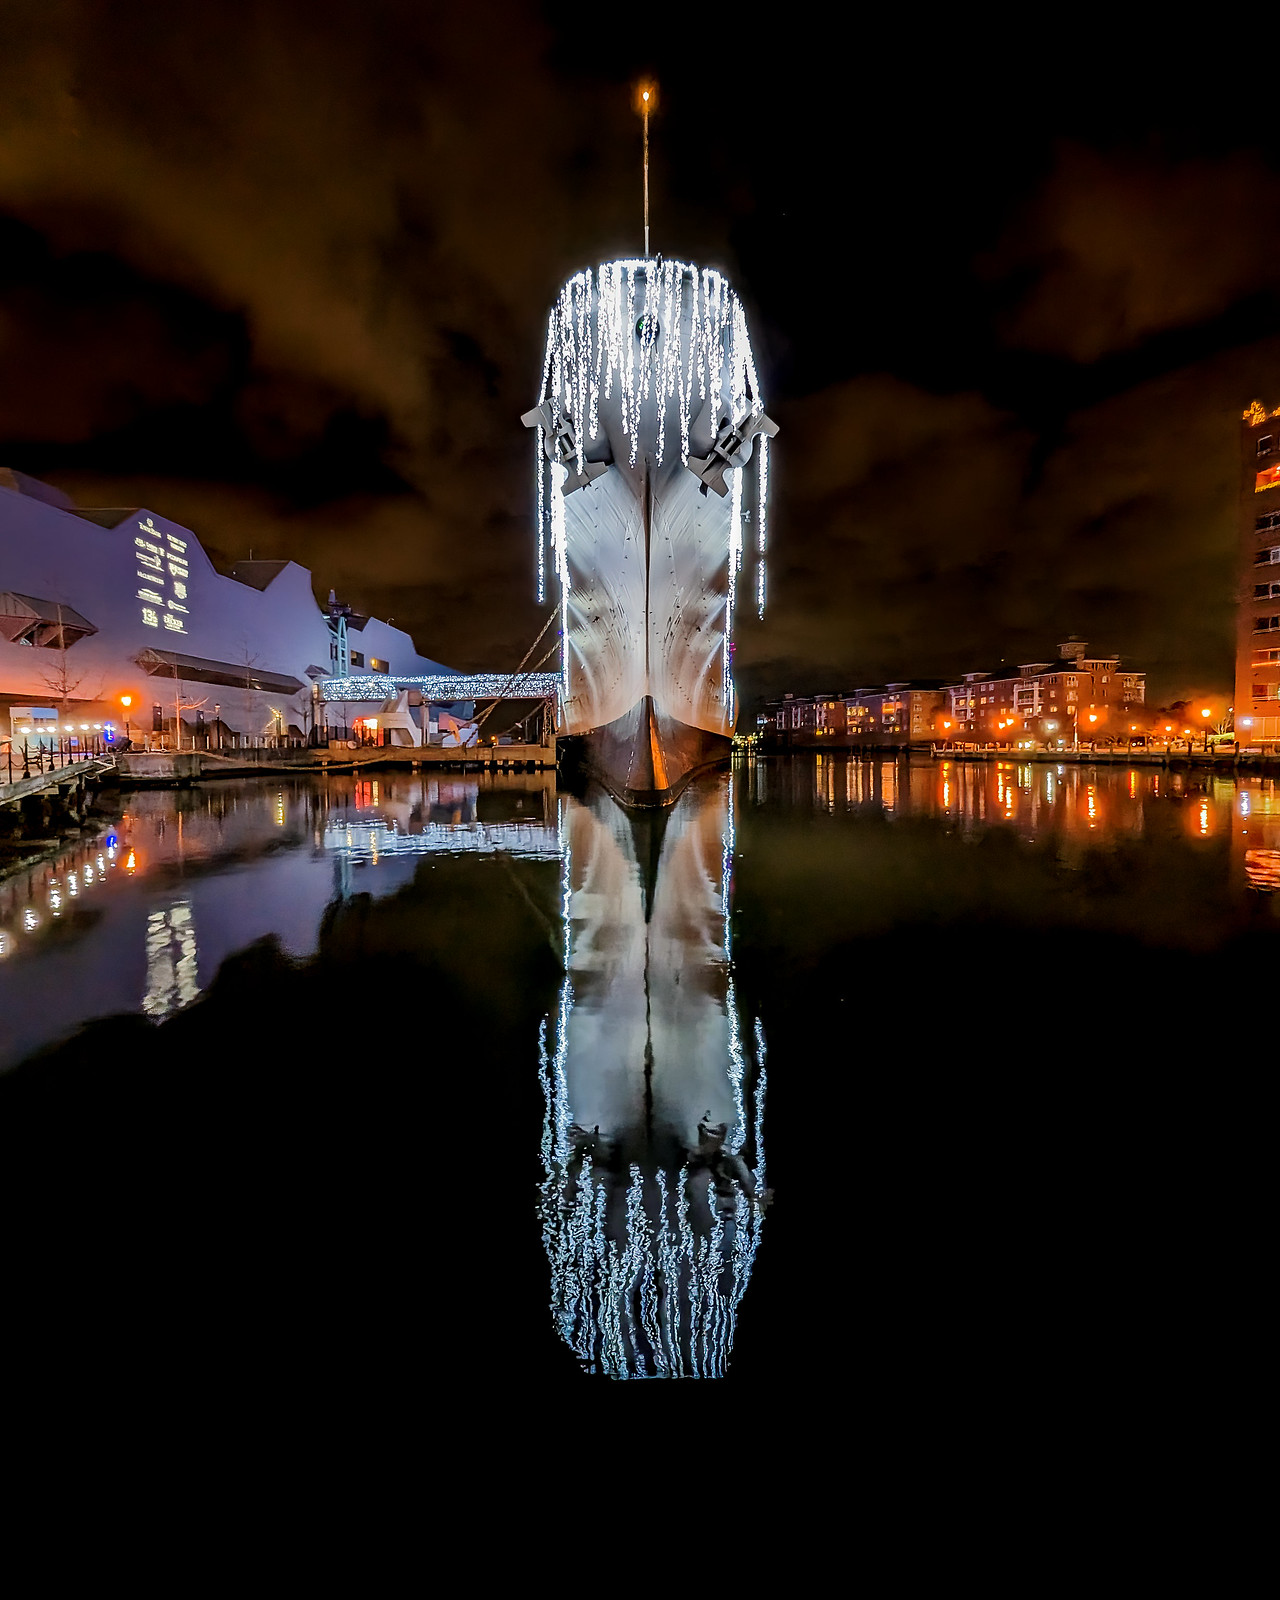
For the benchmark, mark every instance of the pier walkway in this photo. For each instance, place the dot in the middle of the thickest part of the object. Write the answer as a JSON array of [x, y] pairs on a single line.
[[193, 766], [1224, 760]]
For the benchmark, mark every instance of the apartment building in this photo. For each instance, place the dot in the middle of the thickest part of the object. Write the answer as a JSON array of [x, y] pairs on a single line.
[[887, 716], [1078, 697], [1257, 696]]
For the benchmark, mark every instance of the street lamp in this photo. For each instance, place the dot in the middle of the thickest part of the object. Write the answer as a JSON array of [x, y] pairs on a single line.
[[126, 700], [1205, 714]]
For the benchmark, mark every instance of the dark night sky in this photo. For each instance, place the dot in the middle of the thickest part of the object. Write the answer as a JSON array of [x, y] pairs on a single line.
[[281, 271]]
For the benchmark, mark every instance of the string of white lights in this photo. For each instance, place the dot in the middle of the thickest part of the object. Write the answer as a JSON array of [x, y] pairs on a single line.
[[762, 508], [540, 471], [447, 688], [624, 325]]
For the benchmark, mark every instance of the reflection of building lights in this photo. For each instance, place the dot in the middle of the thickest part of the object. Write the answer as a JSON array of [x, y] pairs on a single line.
[[1262, 869], [130, 863], [30, 920]]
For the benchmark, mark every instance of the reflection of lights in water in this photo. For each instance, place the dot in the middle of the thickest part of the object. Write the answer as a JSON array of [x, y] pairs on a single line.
[[6, 944], [1262, 869], [1244, 802], [171, 961], [280, 809], [130, 862], [370, 840], [73, 886], [1204, 819], [29, 919], [650, 1238], [1092, 794]]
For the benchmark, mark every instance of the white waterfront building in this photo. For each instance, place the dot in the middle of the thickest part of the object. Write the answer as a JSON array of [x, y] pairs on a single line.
[[100, 605]]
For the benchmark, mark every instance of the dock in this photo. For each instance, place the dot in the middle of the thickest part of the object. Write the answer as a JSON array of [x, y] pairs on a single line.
[[38, 809], [164, 768]]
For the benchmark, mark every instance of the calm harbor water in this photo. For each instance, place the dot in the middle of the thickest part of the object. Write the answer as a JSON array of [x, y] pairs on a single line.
[[648, 1098]]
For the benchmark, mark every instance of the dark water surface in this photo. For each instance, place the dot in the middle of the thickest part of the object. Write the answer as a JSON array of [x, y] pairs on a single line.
[[857, 1074]]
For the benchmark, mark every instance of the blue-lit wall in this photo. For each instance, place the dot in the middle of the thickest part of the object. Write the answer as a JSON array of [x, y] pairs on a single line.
[[146, 582]]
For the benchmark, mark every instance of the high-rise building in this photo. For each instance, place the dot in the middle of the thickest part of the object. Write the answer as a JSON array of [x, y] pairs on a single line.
[[1257, 698]]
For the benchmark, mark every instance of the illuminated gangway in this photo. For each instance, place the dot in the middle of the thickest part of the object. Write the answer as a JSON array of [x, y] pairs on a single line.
[[449, 688]]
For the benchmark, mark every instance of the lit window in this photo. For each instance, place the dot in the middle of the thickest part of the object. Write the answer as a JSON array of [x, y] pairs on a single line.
[[1266, 444]]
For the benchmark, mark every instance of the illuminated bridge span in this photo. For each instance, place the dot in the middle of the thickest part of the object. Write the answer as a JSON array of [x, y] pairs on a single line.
[[447, 688]]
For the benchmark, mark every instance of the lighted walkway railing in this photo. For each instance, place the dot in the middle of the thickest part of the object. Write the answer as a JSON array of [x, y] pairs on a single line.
[[20, 760]]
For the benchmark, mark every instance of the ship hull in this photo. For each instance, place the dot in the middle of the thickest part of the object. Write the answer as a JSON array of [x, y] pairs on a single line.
[[646, 757], [647, 368]]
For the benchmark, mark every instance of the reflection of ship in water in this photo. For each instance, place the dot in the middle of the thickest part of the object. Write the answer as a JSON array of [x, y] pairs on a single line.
[[652, 1147]]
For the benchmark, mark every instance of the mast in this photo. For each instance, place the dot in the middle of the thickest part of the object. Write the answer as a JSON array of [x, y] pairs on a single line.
[[648, 99], [646, 174]]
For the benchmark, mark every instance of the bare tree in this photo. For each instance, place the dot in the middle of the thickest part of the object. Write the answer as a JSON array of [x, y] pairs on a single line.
[[179, 706], [59, 677], [248, 662]]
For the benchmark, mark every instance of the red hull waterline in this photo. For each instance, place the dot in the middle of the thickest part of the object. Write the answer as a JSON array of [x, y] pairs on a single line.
[[646, 758]]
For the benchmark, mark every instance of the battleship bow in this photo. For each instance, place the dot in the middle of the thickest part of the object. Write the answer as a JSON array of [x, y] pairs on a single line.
[[650, 399]]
